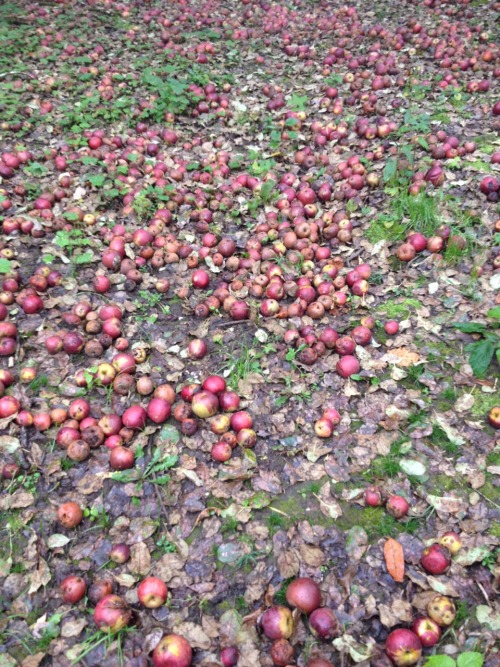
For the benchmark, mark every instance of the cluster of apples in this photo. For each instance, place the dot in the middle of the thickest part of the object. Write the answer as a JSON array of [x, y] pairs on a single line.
[[277, 622], [404, 646], [112, 612], [417, 242], [214, 401], [395, 504]]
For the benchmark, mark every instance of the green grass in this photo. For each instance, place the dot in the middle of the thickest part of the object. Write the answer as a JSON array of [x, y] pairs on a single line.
[[439, 439]]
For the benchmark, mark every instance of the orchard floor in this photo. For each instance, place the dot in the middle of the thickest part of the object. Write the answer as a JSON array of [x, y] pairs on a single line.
[[313, 137]]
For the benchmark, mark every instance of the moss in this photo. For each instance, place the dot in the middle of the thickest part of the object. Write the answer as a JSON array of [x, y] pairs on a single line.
[[493, 458], [444, 483], [483, 403], [494, 529], [401, 309], [490, 491], [374, 520]]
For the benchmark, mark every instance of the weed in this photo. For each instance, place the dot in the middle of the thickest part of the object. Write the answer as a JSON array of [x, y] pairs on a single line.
[[166, 545]]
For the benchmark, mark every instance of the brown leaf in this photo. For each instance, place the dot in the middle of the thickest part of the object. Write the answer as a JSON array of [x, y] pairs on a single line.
[[394, 559], [140, 561], [33, 660], [289, 563], [40, 577]]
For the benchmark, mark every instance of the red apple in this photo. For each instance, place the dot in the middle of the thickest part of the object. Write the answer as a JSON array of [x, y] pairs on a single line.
[[403, 647], [374, 496], [277, 622], [197, 348], [73, 589], [304, 593], [397, 506], [69, 514], [229, 656], [172, 651], [427, 630], [112, 614], [281, 652], [120, 553], [152, 592], [324, 624], [205, 404], [436, 559]]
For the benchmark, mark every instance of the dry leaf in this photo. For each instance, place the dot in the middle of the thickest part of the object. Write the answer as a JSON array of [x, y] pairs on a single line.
[[140, 561], [394, 559]]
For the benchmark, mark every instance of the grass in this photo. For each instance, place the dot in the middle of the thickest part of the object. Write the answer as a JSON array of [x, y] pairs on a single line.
[[439, 439]]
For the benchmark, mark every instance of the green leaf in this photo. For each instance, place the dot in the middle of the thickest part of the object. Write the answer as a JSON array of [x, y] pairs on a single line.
[[494, 312], [423, 143], [390, 169], [470, 659], [84, 258], [440, 661], [298, 102], [481, 354], [97, 180], [469, 327], [266, 189], [4, 265], [290, 122]]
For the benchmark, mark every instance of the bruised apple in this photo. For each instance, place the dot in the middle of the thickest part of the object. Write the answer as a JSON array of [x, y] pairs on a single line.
[[277, 622], [172, 651], [112, 613]]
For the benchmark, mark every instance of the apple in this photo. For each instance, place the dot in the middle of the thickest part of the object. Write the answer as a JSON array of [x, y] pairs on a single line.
[[112, 614], [99, 589], [374, 496], [172, 651], [69, 514], [391, 327], [120, 553], [403, 647], [319, 662], [229, 656], [451, 541], [324, 624], [152, 592], [494, 417], [281, 652], [427, 630], [436, 559], [397, 506], [304, 593], [323, 428], [205, 404], [441, 610], [277, 622], [73, 589]]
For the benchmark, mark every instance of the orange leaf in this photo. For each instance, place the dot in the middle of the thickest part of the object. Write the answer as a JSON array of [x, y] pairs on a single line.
[[394, 559]]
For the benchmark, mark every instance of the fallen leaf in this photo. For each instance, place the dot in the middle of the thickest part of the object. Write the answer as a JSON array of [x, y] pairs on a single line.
[[394, 559], [140, 559], [194, 634], [40, 577], [73, 627], [57, 540], [33, 660]]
